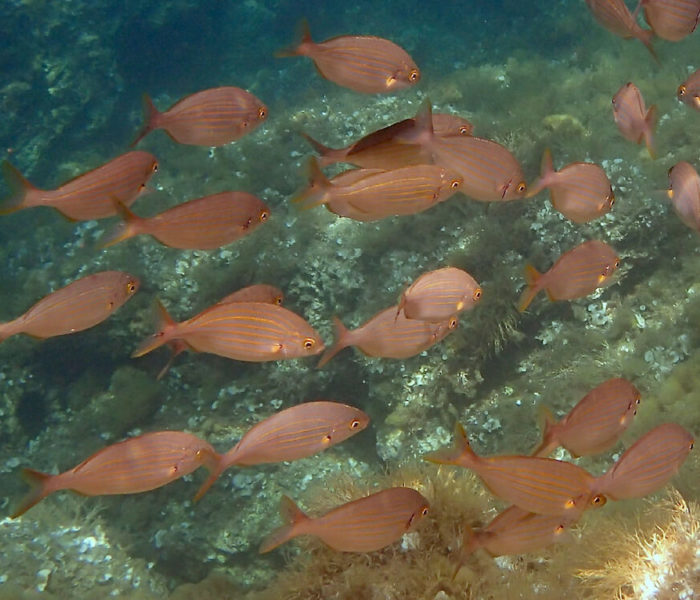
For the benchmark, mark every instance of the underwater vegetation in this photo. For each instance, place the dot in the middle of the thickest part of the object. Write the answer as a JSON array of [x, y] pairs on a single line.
[[528, 76]]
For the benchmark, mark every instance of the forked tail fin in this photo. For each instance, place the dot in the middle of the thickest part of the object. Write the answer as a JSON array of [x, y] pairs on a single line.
[[341, 341], [296, 49], [39, 490], [160, 337], [292, 516], [19, 186], [460, 454], [547, 443], [532, 277], [150, 117]]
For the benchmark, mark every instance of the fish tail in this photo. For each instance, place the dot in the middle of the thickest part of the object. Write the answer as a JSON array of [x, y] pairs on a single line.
[[470, 543], [341, 341], [327, 155], [460, 454], [650, 123], [213, 462], [423, 121], [316, 192], [297, 48], [39, 490], [547, 421], [19, 188], [177, 347], [150, 117], [293, 516], [165, 327], [645, 36], [124, 230], [546, 171], [532, 277]]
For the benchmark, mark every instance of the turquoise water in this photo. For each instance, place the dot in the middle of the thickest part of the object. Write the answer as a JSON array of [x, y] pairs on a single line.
[[529, 75]]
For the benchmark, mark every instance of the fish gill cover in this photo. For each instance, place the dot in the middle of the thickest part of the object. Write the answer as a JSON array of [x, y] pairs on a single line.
[[530, 76]]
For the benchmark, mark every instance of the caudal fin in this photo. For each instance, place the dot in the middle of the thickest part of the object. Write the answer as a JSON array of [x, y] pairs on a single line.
[[160, 337], [460, 454], [214, 463], [327, 155], [547, 443], [297, 49], [123, 231], [19, 188], [316, 192], [292, 516], [645, 36], [341, 341], [546, 171], [532, 277], [150, 117], [39, 490]]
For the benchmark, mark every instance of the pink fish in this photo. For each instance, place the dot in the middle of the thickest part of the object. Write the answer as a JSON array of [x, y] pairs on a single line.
[[212, 117], [617, 18], [438, 295], [291, 434], [539, 485], [577, 273], [671, 19], [634, 121], [684, 192], [648, 464], [365, 525], [389, 335], [489, 171], [689, 91], [580, 191], [363, 63], [201, 224], [596, 423], [247, 331], [80, 305], [87, 196], [135, 465]]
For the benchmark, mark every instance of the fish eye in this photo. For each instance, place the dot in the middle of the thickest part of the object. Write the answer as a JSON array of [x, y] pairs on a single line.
[[691, 446], [264, 215], [681, 90], [522, 187], [309, 343], [262, 112], [463, 130], [277, 300], [414, 75], [617, 263], [477, 294], [154, 168], [453, 323], [599, 500], [424, 512], [131, 287], [327, 438], [354, 424], [455, 184]]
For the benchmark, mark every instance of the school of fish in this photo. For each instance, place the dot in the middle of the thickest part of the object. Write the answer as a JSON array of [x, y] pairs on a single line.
[[400, 170]]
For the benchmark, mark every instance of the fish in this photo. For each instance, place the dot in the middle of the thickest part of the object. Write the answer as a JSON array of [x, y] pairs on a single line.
[[291, 434], [617, 18], [577, 273], [671, 19], [135, 465], [253, 293], [632, 118], [79, 305], [246, 331], [580, 191], [490, 172], [539, 485], [201, 224], [398, 145], [595, 424], [389, 335], [362, 63], [212, 117], [515, 531], [689, 91], [259, 292], [377, 195], [87, 196], [364, 525], [438, 295], [684, 193], [648, 464]]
